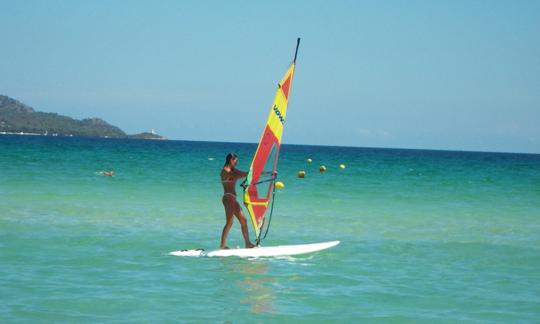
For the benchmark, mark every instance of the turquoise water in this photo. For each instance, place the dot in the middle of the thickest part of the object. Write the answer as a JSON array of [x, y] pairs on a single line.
[[427, 236]]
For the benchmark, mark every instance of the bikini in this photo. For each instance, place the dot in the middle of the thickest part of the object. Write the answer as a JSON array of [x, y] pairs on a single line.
[[230, 179]]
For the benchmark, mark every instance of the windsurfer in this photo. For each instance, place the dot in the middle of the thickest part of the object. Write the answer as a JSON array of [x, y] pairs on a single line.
[[229, 174]]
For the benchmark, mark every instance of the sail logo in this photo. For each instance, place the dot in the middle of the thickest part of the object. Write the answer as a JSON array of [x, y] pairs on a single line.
[[278, 114]]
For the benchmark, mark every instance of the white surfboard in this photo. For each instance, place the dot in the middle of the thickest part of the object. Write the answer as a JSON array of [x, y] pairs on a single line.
[[267, 251]]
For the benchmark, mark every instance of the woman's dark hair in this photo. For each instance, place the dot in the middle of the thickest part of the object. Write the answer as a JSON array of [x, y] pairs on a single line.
[[229, 157]]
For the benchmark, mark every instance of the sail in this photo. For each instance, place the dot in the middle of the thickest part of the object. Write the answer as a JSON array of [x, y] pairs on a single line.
[[259, 185]]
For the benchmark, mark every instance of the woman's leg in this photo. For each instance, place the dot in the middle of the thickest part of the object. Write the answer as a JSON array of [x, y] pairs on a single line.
[[243, 224], [229, 213]]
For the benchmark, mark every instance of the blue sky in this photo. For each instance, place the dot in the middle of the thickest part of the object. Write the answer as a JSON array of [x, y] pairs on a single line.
[[459, 75]]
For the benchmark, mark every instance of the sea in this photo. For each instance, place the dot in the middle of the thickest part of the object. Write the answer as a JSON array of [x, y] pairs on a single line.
[[426, 236]]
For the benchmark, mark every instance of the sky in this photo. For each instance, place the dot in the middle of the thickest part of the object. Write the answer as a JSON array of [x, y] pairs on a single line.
[[450, 75]]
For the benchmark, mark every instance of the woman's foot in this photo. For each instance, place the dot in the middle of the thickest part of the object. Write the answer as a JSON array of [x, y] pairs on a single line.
[[224, 247], [249, 245]]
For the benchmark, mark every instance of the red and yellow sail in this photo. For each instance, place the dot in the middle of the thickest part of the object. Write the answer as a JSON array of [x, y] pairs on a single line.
[[262, 172]]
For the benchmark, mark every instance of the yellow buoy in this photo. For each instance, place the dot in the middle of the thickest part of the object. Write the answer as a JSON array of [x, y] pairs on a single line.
[[322, 168], [342, 166], [279, 184], [301, 174], [309, 160]]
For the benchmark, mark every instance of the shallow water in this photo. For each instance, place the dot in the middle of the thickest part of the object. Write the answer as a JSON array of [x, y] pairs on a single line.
[[426, 235]]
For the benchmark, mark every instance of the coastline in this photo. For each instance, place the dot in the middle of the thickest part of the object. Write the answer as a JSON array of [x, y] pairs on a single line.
[[71, 135]]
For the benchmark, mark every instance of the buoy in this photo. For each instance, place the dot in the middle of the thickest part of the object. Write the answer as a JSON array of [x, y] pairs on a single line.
[[309, 160], [279, 184], [342, 166], [301, 174], [322, 168]]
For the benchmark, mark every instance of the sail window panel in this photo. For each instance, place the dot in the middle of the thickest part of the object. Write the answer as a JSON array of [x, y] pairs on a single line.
[[266, 181]]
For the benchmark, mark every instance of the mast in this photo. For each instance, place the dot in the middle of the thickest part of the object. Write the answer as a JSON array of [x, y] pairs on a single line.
[[296, 52]]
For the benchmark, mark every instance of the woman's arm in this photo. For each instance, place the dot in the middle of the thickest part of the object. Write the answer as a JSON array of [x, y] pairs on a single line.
[[240, 174]]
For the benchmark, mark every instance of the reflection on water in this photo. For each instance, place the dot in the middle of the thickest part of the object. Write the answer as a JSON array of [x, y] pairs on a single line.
[[255, 283]]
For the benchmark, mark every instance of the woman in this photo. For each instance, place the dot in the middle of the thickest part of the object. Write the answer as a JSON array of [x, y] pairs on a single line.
[[229, 175]]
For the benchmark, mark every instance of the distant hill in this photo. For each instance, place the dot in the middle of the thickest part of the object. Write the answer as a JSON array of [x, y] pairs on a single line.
[[16, 117]]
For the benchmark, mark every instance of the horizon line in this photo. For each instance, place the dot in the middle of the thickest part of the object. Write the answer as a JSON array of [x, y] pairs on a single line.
[[285, 144]]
